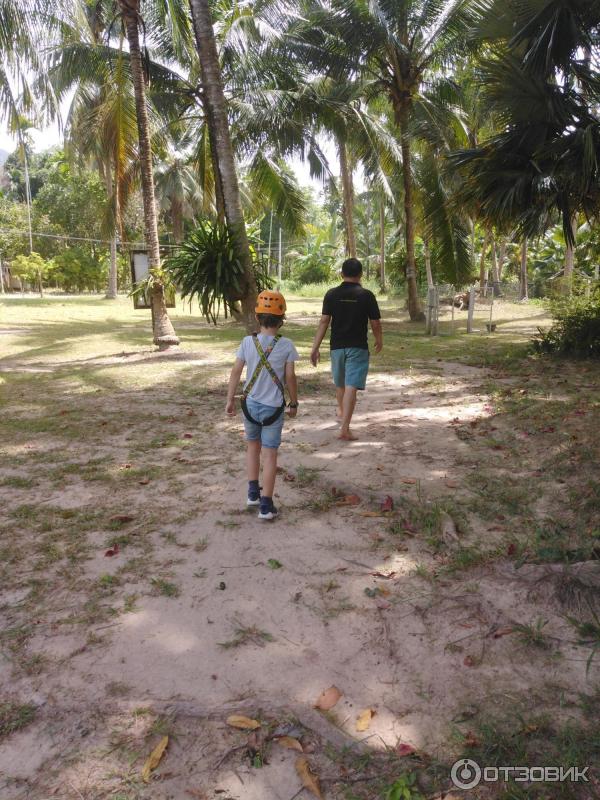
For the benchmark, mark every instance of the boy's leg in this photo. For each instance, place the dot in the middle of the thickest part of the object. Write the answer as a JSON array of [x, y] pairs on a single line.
[[338, 360], [348, 405], [253, 459], [269, 455]]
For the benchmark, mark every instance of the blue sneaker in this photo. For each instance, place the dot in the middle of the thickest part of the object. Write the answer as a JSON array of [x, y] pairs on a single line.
[[253, 494], [267, 509], [253, 499]]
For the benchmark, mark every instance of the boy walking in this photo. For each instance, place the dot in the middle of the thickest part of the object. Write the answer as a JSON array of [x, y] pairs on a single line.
[[349, 308], [269, 358]]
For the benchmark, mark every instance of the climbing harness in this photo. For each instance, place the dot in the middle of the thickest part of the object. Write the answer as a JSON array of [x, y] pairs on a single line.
[[263, 363]]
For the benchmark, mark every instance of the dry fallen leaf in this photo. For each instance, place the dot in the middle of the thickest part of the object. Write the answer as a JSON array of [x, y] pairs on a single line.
[[112, 551], [364, 719], [122, 518], [243, 723], [154, 758], [328, 698], [409, 480], [405, 749], [349, 500], [387, 504], [308, 778], [290, 743]]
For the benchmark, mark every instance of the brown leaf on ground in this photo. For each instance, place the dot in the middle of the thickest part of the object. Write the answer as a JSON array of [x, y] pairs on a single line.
[[112, 551], [349, 500], [363, 722], [328, 698], [287, 476], [387, 504], [469, 661], [404, 749], [188, 435], [154, 758], [290, 743], [409, 480], [122, 518], [309, 780], [243, 723], [471, 740], [503, 631], [452, 484]]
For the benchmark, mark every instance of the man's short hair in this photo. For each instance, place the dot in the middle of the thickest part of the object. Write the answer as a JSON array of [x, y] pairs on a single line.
[[352, 268]]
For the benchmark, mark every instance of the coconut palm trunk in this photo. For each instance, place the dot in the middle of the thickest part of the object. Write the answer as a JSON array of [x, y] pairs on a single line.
[[523, 289], [218, 123], [164, 333], [111, 289], [415, 310], [348, 197], [382, 245], [570, 259], [495, 272]]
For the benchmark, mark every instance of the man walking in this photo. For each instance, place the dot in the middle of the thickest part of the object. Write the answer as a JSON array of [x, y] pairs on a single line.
[[349, 308]]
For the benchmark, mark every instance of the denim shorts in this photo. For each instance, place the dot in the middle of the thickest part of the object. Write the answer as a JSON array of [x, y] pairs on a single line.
[[349, 367], [269, 435]]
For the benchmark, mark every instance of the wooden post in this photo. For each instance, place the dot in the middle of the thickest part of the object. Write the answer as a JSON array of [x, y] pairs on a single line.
[[471, 310], [453, 293], [1, 276], [491, 311]]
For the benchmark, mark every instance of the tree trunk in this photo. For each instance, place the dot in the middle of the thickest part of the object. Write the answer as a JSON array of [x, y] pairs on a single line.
[[382, 245], [523, 291], [348, 195], [427, 254], [501, 258], [482, 269], [164, 333], [111, 289], [177, 220], [495, 274], [414, 304], [569, 260], [216, 112]]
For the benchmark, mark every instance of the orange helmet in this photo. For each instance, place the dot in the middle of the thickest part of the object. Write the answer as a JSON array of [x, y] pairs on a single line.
[[269, 302]]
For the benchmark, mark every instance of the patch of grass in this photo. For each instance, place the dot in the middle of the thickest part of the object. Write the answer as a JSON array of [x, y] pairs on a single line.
[[307, 476], [201, 544], [17, 482], [500, 494], [532, 633], [247, 635], [165, 588], [108, 581], [15, 716]]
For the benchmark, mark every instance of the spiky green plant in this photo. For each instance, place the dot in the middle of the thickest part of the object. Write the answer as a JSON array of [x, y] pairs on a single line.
[[206, 268]]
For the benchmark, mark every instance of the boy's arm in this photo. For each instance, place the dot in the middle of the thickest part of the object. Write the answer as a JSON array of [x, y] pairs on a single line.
[[234, 380], [292, 386], [378, 334], [319, 336]]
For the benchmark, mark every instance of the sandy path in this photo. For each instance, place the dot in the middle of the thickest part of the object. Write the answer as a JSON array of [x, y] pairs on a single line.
[[421, 655]]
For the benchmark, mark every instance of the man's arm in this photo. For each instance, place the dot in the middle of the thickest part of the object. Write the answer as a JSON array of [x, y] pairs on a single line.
[[319, 336], [234, 380], [292, 386], [378, 334]]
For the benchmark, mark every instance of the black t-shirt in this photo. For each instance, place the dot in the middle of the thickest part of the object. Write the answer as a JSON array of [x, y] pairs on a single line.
[[350, 308]]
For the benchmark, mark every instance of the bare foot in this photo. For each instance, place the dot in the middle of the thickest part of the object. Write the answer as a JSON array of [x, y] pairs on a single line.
[[348, 436]]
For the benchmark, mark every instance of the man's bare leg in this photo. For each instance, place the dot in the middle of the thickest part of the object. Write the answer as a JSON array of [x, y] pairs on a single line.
[[339, 396], [348, 404]]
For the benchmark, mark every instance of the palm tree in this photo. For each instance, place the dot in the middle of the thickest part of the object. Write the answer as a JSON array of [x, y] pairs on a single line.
[[396, 45], [220, 139], [177, 186], [164, 333], [543, 161]]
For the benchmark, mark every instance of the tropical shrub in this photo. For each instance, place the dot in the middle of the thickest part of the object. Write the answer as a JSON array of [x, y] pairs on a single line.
[[576, 327], [206, 268]]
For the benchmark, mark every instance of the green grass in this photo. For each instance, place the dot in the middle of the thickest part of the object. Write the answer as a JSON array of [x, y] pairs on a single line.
[[14, 716]]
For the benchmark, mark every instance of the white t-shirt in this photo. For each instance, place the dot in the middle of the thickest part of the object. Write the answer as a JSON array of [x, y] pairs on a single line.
[[265, 390]]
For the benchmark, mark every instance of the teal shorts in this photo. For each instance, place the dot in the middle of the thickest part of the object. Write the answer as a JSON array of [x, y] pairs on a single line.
[[350, 366]]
